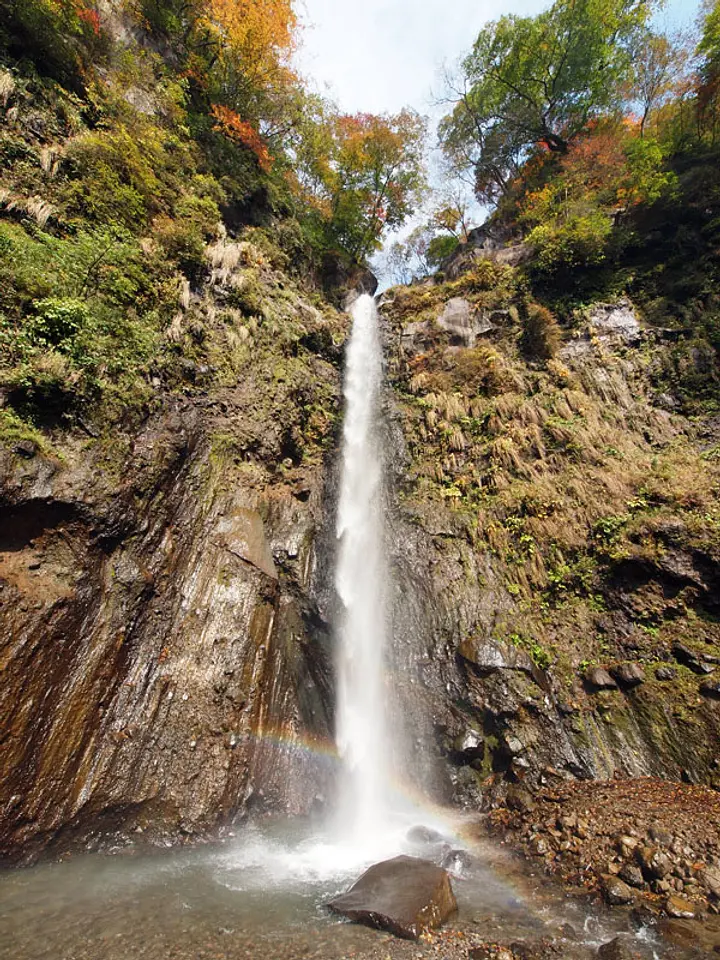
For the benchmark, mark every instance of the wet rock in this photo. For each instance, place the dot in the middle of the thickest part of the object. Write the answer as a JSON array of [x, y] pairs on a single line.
[[621, 948], [457, 861], [679, 908], [616, 891], [644, 914], [489, 656], [406, 896], [468, 746], [665, 674], [711, 689], [628, 674], [599, 679], [423, 836]]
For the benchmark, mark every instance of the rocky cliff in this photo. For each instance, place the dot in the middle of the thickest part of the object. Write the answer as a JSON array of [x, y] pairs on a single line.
[[556, 539], [553, 530], [164, 664]]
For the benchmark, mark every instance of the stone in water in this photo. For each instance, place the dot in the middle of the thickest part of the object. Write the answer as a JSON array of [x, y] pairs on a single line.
[[406, 896]]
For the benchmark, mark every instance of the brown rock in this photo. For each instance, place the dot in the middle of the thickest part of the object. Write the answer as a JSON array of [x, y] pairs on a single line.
[[628, 674], [616, 891], [679, 908], [539, 846], [711, 879], [618, 949], [519, 798], [654, 864], [632, 875], [406, 896], [599, 679]]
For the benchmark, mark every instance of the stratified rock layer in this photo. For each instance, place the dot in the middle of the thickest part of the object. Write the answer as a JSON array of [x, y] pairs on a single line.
[[165, 664]]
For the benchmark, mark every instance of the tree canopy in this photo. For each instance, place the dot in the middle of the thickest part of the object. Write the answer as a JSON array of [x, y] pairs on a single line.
[[538, 80]]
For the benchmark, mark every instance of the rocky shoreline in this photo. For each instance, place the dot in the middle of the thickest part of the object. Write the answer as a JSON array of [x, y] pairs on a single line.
[[650, 846]]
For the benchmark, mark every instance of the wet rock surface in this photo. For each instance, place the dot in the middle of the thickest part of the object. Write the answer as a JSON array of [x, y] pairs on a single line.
[[406, 896], [166, 663]]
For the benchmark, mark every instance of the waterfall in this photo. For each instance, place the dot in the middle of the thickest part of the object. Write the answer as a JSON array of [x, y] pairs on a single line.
[[361, 729]]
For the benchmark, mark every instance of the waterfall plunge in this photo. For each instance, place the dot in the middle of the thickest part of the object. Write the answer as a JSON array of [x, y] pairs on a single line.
[[361, 580]]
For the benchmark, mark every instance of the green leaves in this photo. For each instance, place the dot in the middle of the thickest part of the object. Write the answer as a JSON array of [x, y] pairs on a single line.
[[538, 81]]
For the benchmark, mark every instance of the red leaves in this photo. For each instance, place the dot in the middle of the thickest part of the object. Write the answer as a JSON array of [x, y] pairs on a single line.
[[91, 18], [230, 124]]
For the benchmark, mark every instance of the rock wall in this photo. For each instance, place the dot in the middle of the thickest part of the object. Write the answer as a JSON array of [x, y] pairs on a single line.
[[164, 665], [505, 652]]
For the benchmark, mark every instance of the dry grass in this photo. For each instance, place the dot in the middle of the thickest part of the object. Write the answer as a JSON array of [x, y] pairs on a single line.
[[7, 87]]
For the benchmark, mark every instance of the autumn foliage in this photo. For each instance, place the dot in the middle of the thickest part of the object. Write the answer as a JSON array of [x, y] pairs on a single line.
[[242, 132]]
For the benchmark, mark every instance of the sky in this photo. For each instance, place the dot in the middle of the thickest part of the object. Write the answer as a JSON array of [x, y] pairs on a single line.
[[378, 56]]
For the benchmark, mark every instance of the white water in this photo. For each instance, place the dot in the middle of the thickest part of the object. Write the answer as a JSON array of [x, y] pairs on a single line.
[[361, 577]]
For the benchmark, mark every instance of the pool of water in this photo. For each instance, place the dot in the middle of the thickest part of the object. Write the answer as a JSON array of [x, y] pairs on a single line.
[[262, 895]]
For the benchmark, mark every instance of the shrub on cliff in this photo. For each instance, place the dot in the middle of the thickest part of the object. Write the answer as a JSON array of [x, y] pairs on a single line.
[[541, 333]]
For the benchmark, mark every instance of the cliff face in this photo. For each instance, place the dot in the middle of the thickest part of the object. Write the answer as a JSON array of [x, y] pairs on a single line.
[[556, 532], [164, 664], [167, 588]]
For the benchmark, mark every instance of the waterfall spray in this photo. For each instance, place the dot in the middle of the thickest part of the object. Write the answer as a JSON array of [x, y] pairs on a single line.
[[361, 728]]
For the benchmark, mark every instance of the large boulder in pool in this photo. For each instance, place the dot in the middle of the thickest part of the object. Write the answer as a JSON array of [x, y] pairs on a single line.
[[405, 895]]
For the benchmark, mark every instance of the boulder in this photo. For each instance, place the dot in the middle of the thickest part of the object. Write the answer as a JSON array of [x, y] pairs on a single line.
[[599, 679], [615, 320], [654, 864], [490, 656], [680, 908], [621, 948], [406, 896], [689, 659], [632, 875], [457, 861], [665, 673], [423, 836], [460, 321], [616, 892], [628, 674]]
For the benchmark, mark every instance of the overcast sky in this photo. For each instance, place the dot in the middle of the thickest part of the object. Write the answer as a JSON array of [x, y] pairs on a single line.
[[380, 55]]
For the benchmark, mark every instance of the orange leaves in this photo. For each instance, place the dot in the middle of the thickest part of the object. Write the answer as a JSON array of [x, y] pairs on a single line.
[[260, 34], [89, 17], [229, 123]]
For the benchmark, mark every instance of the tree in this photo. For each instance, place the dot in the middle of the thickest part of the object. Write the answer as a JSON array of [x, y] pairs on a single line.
[[374, 177], [708, 90], [538, 80], [63, 37], [658, 64]]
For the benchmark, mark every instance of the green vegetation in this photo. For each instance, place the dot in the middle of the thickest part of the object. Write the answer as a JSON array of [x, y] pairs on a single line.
[[127, 165]]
